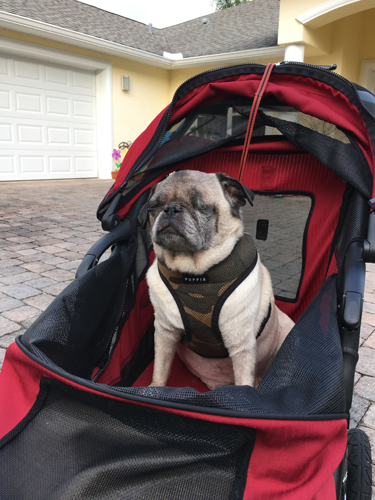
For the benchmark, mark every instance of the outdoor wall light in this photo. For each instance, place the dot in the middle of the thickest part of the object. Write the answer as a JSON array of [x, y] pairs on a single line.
[[125, 82]]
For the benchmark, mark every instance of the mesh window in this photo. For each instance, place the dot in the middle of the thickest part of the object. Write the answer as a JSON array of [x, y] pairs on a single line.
[[281, 248], [97, 448], [225, 123]]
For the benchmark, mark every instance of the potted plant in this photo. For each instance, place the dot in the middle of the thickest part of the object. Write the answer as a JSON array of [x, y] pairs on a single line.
[[116, 155]]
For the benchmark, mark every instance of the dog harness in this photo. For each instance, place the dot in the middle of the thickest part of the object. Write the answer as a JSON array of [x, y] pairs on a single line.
[[200, 298]]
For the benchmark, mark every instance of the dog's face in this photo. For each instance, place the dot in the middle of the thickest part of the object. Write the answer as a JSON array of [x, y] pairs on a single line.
[[191, 211]]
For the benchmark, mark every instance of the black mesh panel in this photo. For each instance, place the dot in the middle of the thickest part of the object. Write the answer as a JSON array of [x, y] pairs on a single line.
[[346, 160], [305, 378], [77, 328], [95, 448], [352, 226]]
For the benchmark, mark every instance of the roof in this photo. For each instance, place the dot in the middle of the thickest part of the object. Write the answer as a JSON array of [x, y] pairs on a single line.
[[251, 25], [83, 18], [248, 26]]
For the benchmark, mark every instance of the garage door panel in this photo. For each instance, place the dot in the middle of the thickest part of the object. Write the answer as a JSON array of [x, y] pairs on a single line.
[[7, 135], [7, 164], [27, 70], [30, 164], [45, 164], [61, 164], [59, 136], [44, 104], [28, 134], [34, 137], [27, 102], [38, 75], [57, 76], [5, 100]]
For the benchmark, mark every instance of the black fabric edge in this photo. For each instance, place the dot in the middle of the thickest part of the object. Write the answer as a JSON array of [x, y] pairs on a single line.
[[223, 298], [126, 303], [87, 384], [265, 320], [243, 464], [180, 306], [344, 207], [128, 374], [35, 409]]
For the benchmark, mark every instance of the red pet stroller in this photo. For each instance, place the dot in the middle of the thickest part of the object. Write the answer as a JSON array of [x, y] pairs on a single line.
[[78, 420]]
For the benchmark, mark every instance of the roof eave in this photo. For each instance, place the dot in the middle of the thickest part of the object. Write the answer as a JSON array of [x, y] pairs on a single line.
[[250, 55], [40, 29]]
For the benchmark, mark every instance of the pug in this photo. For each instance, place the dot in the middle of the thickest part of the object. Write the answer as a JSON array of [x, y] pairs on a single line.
[[211, 294]]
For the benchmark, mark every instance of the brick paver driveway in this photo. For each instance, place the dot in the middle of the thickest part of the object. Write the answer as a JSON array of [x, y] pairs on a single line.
[[46, 227]]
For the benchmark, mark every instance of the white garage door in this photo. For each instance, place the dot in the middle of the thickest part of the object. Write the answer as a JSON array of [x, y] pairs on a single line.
[[47, 121]]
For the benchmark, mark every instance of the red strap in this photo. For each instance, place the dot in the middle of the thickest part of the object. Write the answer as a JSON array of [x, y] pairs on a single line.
[[253, 113]]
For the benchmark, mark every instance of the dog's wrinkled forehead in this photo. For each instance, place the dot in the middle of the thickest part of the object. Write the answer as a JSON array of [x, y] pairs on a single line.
[[187, 185]]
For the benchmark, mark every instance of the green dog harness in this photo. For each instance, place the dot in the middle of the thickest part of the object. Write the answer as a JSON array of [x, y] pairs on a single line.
[[200, 298]]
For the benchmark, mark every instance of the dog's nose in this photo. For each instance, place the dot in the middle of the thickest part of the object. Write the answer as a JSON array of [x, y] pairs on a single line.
[[172, 209]]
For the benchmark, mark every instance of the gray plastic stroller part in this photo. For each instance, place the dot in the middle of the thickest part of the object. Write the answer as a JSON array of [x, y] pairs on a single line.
[[369, 243], [368, 101], [121, 231]]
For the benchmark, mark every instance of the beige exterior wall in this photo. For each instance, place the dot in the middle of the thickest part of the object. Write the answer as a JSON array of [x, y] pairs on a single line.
[[132, 110], [344, 36]]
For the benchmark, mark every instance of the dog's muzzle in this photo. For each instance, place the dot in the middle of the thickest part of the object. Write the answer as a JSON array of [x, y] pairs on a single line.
[[172, 209]]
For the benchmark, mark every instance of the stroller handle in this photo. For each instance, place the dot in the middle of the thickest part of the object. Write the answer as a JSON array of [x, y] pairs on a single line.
[[121, 232]]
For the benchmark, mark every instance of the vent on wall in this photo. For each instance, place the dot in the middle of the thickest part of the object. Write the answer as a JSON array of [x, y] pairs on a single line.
[[125, 82]]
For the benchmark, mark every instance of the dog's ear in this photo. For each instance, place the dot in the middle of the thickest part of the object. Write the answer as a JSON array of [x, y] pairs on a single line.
[[236, 191], [143, 213]]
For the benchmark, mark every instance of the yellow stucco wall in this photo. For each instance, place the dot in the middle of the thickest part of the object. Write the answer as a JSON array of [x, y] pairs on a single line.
[[353, 40], [346, 41]]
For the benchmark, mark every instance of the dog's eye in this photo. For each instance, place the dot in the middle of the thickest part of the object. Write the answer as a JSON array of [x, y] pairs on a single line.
[[207, 209], [153, 207]]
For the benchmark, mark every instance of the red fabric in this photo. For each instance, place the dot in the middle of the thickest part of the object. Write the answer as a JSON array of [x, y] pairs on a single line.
[[180, 377], [304, 94], [253, 113], [291, 460], [272, 172], [135, 327]]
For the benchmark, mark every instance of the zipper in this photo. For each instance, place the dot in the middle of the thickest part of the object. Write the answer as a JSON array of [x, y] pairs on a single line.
[[114, 337]]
